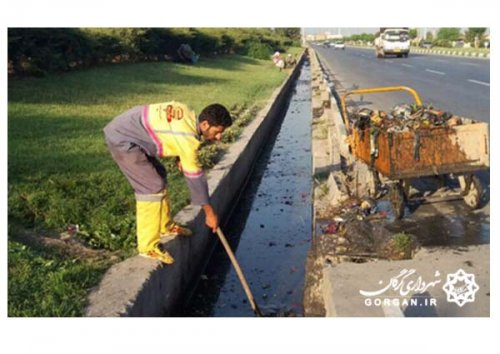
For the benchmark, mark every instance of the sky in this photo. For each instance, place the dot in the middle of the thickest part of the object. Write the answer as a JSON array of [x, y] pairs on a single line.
[[346, 31]]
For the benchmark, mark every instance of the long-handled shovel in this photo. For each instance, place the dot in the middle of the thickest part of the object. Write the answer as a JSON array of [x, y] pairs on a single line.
[[239, 272]]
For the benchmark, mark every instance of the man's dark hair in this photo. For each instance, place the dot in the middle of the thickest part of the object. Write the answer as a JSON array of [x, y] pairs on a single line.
[[216, 114]]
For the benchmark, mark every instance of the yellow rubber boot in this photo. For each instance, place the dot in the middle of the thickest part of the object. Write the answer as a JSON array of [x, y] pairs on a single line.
[[165, 214], [148, 227], [168, 226]]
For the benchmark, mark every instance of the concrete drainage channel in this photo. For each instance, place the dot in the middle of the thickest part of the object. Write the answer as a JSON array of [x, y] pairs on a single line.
[[139, 287], [270, 228]]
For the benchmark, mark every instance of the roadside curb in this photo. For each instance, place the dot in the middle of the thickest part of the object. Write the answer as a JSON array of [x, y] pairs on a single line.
[[451, 53], [141, 287], [328, 158], [329, 152]]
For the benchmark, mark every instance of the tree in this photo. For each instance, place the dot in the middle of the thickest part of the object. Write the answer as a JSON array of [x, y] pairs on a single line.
[[367, 37], [429, 36], [291, 32], [413, 33], [473, 32], [448, 34]]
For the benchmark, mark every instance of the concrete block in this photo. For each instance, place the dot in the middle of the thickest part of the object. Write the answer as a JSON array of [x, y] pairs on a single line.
[[321, 159], [341, 131], [337, 191], [325, 98], [342, 284], [364, 180], [317, 106]]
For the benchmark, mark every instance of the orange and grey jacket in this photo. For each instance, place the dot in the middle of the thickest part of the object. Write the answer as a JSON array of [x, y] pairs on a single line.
[[163, 130]]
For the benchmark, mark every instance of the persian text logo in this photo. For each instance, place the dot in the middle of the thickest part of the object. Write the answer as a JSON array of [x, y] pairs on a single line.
[[406, 283], [460, 287]]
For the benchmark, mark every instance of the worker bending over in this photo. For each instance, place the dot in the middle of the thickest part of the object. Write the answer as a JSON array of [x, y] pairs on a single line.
[[137, 138]]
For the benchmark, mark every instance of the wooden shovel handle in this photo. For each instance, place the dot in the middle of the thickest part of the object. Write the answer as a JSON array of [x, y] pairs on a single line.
[[239, 272]]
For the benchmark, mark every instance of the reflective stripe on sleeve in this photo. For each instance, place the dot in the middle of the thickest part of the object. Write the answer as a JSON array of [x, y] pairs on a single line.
[[176, 133], [149, 129]]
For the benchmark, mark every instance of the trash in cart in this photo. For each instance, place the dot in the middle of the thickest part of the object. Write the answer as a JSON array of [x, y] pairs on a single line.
[[416, 140]]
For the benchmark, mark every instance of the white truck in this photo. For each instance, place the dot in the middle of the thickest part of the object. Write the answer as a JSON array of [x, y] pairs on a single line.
[[395, 41]]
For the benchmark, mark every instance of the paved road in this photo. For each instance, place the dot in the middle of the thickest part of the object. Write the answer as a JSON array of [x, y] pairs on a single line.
[[458, 85]]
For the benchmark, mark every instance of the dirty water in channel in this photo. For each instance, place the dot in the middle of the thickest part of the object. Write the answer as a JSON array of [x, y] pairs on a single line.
[[270, 227]]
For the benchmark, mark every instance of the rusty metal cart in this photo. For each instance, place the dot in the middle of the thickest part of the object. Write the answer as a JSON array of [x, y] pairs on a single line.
[[460, 150]]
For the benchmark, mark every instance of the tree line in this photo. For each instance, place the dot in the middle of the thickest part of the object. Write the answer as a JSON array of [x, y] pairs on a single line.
[[443, 37], [38, 51]]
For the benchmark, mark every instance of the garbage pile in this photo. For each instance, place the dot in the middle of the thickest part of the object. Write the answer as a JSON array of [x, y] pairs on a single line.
[[350, 236], [404, 118], [351, 210]]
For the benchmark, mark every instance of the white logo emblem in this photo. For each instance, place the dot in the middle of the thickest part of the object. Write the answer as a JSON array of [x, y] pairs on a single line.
[[460, 288]]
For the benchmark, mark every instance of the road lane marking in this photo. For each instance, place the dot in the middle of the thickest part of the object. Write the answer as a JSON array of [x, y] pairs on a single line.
[[435, 72], [407, 65], [479, 82], [471, 64]]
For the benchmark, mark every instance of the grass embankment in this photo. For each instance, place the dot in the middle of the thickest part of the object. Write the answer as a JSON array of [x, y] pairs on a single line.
[[60, 172]]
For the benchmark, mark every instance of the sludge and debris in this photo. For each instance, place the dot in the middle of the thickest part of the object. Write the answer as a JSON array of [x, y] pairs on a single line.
[[355, 231]]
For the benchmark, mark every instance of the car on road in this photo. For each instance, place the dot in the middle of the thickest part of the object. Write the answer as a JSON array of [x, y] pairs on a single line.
[[426, 45], [339, 45], [392, 41], [327, 44]]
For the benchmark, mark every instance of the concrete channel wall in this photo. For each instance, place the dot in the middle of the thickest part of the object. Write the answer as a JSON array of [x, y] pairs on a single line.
[[330, 151], [327, 126], [142, 287]]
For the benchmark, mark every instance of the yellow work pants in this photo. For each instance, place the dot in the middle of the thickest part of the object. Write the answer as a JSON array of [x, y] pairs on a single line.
[[165, 219], [148, 219]]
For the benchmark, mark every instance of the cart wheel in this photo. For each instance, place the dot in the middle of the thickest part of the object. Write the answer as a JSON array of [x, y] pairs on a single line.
[[475, 192], [397, 197]]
